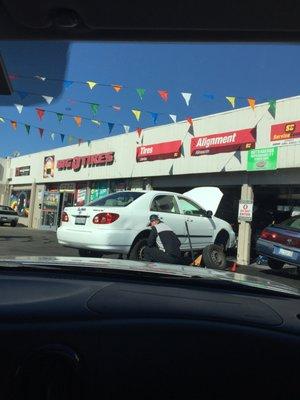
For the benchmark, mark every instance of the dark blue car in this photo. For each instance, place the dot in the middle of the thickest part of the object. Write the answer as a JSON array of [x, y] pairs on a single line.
[[280, 244]]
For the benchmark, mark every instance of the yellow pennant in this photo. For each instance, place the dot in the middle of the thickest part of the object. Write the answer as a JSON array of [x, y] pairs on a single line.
[[96, 122], [231, 101], [137, 114], [78, 120], [251, 103], [91, 84]]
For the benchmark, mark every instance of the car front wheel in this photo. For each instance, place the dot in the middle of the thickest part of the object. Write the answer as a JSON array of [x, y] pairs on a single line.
[[214, 257], [13, 223], [274, 264], [137, 251]]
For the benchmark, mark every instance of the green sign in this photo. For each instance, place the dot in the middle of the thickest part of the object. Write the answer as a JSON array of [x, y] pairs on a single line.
[[262, 159]]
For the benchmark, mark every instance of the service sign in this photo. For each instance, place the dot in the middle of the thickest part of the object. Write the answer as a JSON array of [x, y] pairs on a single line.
[[243, 139], [285, 134], [245, 210], [160, 151], [76, 163]]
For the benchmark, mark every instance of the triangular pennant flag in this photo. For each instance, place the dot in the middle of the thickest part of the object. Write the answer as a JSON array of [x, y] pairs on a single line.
[[191, 128], [52, 135], [182, 150], [27, 127], [137, 114], [171, 171], [22, 95], [154, 116], [41, 78], [117, 88], [187, 97], [272, 108], [19, 107], [223, 169], [208, 96], [139, 131], [67, 84], [251, 103], [62, 136], [110, 126], [96, 122], [78, 120], [173, 117], [91, 84], [141, 92], [14, 124], [40, 113], [41, 132], [60, 116], [237, 155], [89, 142], [70, 139], [163, 94], [231, 100], [190, 120], [116, 108], [48, 99], [80, 141], [94, 108], [126, 128], [2, 120]]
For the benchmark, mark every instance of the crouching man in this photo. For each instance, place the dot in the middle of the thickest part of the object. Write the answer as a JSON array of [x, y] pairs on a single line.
[[163, 244]]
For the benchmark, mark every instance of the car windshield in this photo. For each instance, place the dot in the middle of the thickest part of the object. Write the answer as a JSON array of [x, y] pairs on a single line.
[[122, 199], [293, 223], [163, 153]]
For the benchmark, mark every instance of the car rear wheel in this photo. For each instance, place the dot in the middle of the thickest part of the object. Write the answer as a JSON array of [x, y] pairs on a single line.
[[276, 265], [214, 257], [13, 223], [89, 253], [137, 251]]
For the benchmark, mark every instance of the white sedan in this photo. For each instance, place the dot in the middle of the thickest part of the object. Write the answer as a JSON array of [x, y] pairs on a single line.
[[118, 223]]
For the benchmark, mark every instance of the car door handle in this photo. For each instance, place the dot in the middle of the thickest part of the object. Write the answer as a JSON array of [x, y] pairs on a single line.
[[190, 220]]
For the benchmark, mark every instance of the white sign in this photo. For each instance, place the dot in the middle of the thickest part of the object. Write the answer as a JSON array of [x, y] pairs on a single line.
[[245, 210]]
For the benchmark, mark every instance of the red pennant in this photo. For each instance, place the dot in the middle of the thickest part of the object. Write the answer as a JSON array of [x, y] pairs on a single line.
[[139, 131], [164, 94], [189, 120], [41, 131], [40, 113]]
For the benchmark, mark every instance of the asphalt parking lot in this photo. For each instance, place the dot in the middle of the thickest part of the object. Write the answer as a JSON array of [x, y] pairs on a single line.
[[21, 241]]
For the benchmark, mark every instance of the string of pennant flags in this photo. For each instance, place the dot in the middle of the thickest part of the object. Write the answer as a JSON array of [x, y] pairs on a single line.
[[163, 94], [95, 107]]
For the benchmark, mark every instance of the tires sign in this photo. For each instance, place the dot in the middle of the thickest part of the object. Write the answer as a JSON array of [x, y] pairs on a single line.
[[245, 210]]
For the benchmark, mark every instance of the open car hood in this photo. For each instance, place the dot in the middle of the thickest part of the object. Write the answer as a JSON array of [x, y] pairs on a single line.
[[208, 198], [180, 271]]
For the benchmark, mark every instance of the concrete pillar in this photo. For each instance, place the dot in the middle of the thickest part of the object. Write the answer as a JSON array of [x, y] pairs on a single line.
[[31, 204], [244, 238]]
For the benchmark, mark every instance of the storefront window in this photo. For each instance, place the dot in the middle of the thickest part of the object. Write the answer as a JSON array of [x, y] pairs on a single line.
[[81, 194], [19, 201], [98, 190]]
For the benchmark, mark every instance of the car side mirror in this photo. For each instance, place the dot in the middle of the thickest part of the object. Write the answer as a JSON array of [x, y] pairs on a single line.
[[209, 214]]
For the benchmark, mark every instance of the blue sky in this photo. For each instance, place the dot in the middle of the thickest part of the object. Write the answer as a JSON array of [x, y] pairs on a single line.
[[262, 71]]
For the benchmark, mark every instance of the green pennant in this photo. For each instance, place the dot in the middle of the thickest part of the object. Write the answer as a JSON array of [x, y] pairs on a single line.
[[171, 172], [27, 127], [60, 116], [272, 108], [94, 108], [89, 142], [141, 92]]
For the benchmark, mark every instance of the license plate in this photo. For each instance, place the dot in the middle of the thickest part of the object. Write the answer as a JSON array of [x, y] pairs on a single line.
[[286, 253], [80, 220]]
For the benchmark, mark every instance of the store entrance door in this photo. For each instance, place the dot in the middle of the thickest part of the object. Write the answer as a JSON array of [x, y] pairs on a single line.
[[50, 208], [66, 200]]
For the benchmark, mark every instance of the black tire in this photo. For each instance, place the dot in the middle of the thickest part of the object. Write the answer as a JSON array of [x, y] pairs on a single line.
[[274, 264], [89, 253], [13, 223], [136, 252], [214, 257]]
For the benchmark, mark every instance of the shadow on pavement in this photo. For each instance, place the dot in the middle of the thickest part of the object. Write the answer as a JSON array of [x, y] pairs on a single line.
[[289, 272], [7, 238]]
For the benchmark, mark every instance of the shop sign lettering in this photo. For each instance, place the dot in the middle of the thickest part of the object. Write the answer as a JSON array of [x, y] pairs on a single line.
[[159, 151], [77, 163], [285, 134]]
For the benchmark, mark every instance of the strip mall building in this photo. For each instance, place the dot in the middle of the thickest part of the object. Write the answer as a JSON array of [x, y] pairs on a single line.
[[215, 151]]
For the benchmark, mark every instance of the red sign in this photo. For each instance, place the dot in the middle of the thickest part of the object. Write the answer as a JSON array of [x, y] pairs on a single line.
[[160, 151], [286, 131], [93, 160], [224, 142]]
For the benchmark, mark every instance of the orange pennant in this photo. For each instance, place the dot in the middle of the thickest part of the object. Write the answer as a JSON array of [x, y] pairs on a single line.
[[251, 103], [163, 94], [14, 124], [78, 120], [117, 88]]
